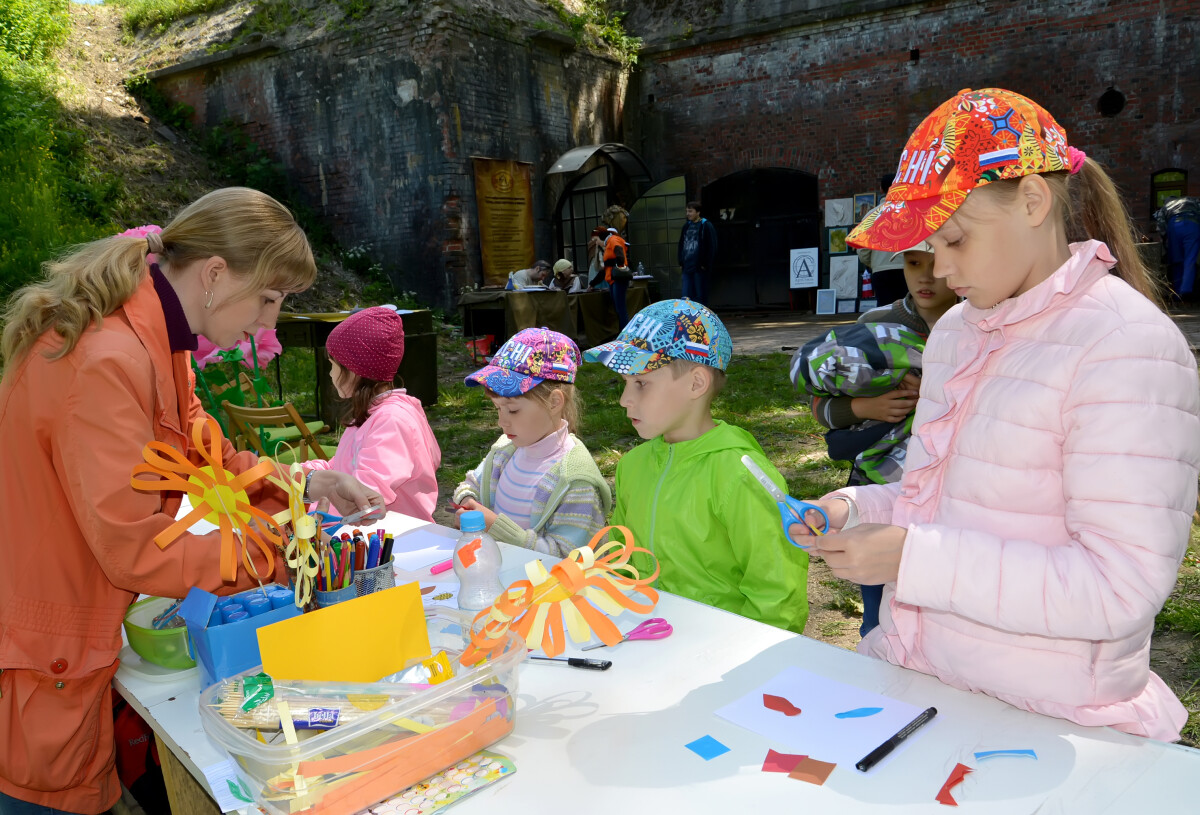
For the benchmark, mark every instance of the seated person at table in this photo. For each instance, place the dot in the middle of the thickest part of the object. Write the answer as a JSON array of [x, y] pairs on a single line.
[[565, 278], [684, 494], [387, 444], [538, 487], [535, 275]]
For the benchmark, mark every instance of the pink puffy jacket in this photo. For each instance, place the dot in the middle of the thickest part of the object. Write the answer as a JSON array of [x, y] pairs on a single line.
[[394, 453], [1048, 497]]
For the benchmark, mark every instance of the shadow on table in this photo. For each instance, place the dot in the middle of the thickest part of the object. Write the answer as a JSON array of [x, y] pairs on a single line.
[[543, 718], [651, 750]]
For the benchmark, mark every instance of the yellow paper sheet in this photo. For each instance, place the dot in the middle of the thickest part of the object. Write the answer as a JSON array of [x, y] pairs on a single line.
[[361, 640]]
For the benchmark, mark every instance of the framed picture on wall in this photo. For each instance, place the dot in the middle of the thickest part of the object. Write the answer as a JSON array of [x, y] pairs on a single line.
[[835, 240], [864, 202], [826, 301]]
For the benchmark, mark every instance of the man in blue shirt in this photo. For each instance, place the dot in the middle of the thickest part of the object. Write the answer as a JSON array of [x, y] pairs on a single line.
[[697, 251]]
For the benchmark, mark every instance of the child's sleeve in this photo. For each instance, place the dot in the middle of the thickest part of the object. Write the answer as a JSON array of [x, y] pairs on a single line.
[[579, 516], [834, 412], [469, 488], [774, 579], [1130, 456], [875, 502]]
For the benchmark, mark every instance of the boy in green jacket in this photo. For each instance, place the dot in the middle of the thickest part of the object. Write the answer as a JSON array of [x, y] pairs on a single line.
[[685, 494]]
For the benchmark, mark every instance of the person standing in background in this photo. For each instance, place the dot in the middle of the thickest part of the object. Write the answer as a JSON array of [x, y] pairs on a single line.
[[697, 252]]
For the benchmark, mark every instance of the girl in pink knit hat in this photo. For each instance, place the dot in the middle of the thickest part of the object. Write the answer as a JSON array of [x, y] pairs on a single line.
[[387, 444]]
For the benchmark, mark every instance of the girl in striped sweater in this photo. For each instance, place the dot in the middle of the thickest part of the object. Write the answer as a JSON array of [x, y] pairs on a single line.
[[538, 486]]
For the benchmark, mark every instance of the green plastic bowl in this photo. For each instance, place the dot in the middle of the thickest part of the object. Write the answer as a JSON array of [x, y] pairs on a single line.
[[168, 647]]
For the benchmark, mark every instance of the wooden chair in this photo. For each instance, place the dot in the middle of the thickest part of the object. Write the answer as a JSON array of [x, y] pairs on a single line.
[[268, 429]]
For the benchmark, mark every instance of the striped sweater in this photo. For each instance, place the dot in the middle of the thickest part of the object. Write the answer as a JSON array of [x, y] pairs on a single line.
[[569, 504]]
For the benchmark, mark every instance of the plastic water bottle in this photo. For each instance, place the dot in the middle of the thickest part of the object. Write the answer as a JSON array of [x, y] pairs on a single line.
[[477, 564], [641, 270]]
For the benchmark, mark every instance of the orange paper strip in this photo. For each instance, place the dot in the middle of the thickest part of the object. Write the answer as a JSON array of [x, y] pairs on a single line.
[[812, 771], [959, 772], [466, 555]]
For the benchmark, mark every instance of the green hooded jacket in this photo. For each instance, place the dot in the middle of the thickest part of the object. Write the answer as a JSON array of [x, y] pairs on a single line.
[[716, 532]]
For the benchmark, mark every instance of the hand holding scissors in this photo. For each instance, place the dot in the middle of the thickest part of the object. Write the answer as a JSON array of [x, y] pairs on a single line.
[[332, 523], [653, 629], [791, 510]]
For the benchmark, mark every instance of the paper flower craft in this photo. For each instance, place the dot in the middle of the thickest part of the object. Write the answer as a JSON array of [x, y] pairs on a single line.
[[300, 555], [216, 494], [591, 582]]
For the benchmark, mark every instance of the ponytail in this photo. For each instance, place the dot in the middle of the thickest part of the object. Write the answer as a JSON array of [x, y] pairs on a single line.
[[1097, 211], [79, 289]]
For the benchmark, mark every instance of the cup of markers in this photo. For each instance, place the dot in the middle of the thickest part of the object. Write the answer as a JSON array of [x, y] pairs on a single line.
[[354, 565]]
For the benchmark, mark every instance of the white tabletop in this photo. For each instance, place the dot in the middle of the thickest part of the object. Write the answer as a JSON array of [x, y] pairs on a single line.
[[602, 742]]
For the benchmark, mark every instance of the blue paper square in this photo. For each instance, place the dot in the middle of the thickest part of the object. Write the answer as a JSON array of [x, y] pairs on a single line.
[[707, 748]]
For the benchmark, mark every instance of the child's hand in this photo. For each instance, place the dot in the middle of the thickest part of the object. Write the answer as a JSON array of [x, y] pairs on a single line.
[[868, 554], [803, 536], [471, 505], [892, 406]]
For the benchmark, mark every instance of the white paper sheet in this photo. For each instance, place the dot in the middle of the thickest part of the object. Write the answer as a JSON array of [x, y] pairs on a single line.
[[420, 549], [816, 731], [230, 790]]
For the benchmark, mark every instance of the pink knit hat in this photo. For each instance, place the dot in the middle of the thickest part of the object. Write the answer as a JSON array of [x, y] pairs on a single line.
[[369, 343]]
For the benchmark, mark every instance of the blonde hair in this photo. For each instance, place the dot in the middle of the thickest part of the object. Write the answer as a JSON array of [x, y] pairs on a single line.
[[679, 367], [1089, 206], [544, 390], [612, 213], [255, 234]]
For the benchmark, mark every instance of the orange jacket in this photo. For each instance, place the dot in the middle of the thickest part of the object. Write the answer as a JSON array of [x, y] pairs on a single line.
[[77, 545], [616, 253]]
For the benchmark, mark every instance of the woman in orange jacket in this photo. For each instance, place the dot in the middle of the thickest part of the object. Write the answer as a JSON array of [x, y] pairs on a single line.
[[96, 365]]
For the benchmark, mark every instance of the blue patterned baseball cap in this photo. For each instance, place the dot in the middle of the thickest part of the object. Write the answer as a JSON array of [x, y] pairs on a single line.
[[532, 356], [666, 331]]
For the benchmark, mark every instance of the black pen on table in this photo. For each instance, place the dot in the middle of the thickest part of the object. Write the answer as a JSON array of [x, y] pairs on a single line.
[[879, 753]]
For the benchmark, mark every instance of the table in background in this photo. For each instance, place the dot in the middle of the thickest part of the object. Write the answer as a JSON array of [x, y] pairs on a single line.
[[589, 318], [418, 368], [605, 742]]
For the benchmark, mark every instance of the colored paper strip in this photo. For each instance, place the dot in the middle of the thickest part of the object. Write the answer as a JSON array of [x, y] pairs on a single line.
[[466, 555], [858, 713], [812, 771], [780, 762], [959, 772], [707, 748], [1011, 753], [779, 704]]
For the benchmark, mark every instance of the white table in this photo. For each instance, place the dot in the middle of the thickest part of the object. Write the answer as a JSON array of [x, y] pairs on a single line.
[[613, 741]]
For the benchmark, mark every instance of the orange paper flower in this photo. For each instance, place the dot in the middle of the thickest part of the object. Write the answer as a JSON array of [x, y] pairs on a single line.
[[586, 586], [216, 494]]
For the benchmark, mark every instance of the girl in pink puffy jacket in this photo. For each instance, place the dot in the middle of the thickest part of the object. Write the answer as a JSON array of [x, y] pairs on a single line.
[[387, 444], [1048, 492]]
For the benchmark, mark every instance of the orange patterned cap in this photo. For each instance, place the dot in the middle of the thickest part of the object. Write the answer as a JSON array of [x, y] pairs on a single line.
[[970, 140]]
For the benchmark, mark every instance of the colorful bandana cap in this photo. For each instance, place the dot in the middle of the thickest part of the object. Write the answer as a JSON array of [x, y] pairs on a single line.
[[532, 356], [664, 331], [971, 140]]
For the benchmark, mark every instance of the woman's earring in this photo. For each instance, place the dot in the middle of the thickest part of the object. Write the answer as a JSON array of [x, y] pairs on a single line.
[[208, 303]]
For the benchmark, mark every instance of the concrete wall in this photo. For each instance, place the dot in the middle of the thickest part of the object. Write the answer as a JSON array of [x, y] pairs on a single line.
[[377, 125], [830, 88]]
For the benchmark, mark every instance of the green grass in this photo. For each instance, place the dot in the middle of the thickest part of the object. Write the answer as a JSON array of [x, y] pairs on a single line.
[[156, 15]]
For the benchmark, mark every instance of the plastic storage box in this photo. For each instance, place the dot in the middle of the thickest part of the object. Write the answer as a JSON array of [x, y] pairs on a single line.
[[167, 647], [358, 744]]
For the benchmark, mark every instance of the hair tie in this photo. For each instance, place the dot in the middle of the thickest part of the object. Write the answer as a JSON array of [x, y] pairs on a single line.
[[1076, 158], [154, 243]]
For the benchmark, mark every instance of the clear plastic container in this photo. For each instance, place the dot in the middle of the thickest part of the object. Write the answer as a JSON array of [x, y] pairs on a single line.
[[358, 744]]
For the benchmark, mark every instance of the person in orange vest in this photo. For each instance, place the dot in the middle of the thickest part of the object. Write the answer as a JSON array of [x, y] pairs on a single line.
[[616, 262], [97, 362]]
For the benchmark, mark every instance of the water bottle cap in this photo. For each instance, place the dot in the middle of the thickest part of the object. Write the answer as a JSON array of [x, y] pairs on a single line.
[[471, 521]]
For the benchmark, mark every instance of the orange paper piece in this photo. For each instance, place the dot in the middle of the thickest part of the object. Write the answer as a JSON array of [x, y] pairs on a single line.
[[780, 762], [778, 703], [591, 582], [216, 495], [812, 771], [959, 772], [361, 640], [466, 555]]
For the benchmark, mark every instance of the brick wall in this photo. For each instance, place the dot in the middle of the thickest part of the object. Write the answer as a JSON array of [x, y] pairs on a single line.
[[377, 127], [830, 88]]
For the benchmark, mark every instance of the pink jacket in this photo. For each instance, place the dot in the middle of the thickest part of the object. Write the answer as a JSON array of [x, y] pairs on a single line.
[[394, 453], [1048, 497]]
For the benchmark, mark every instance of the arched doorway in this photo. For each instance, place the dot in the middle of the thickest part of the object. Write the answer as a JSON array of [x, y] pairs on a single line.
[[760, 215], [654, 225]]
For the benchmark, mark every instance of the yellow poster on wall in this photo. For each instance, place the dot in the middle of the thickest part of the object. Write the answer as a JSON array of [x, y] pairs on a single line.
[[504, 200]]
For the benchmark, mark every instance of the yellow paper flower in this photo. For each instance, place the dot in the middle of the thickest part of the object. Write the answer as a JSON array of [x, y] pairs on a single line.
[[299, 554], [216, 495], [591, 582]]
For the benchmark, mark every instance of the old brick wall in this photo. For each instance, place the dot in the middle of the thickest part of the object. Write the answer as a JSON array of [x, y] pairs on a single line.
[[830, 88], [377, 127]]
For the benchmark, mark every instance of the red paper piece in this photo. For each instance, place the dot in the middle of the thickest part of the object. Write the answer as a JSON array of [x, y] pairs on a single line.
[[780, 762], [780, 704], [466, 555], [959, 772]]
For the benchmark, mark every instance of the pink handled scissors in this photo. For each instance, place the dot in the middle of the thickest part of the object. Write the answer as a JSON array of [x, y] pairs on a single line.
[[653, 629]]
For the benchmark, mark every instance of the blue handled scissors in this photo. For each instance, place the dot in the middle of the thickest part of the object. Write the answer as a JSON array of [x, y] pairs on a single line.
[[791, 510], [331, 523]]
